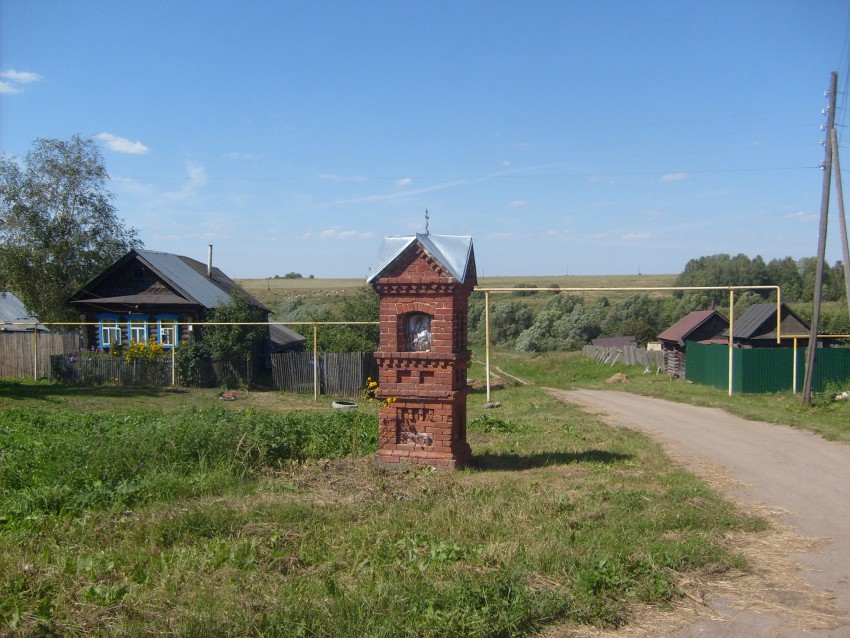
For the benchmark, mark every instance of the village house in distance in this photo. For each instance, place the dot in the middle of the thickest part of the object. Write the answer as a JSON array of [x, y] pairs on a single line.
[[141, 296]]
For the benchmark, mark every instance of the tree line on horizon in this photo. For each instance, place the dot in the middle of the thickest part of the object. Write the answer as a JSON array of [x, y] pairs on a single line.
[[59, 229]]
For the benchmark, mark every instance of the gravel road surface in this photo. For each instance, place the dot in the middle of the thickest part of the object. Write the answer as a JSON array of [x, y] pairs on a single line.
[[802, 480]]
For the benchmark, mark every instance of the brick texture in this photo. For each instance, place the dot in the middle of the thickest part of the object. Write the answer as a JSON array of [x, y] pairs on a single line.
[[426, 422]]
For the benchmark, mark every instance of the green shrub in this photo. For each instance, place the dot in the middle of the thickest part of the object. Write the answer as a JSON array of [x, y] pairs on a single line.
[[67, 463]]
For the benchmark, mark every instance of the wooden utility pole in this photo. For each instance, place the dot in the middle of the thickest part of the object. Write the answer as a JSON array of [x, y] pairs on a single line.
[[824, 216], [839, 195]]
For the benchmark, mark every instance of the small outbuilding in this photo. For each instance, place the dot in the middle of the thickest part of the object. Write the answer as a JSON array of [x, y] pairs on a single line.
[[757, 328], [284, 339], [703, 326], [14, 317]]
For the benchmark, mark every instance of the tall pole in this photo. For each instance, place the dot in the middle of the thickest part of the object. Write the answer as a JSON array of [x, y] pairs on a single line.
[[487, 340], [824, 216], [839, 195], [731, 340]]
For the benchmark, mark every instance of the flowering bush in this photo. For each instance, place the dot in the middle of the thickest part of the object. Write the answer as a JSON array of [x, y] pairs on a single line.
[[370, 393], [143, 351]]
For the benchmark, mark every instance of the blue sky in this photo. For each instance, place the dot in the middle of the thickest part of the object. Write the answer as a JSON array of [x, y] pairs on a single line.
[[566, 137]]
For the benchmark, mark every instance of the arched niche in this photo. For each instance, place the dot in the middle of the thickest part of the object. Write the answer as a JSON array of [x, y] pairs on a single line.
[[417, 331]]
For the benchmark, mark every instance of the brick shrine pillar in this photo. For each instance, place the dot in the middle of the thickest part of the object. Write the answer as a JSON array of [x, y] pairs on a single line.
[[424, 283]]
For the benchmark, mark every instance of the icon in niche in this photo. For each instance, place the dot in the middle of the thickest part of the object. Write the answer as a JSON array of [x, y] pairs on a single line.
[[419, 333]]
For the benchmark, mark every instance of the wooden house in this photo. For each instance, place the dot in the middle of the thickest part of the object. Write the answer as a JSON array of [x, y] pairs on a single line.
[[153, 295], [756, 328], [703, 326]]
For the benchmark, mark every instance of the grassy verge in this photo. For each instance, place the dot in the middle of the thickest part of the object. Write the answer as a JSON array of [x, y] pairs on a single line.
[[562, 519], [824, 416]]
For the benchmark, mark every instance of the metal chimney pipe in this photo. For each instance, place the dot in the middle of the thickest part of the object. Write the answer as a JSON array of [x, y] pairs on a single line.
[[209, 261]]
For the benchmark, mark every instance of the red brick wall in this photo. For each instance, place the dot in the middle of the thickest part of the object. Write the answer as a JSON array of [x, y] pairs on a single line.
[[426, 424]]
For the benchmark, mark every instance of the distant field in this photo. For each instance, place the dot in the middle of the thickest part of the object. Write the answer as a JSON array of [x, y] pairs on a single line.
[[271, 291]]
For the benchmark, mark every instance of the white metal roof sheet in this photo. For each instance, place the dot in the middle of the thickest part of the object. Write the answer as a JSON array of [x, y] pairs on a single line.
[[192, 283], [453, 252], [13, 311]]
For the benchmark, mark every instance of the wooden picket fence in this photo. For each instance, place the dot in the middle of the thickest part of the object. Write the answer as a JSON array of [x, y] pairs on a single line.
[[27, 356], [629, 355], [84, 369], [340, 373]]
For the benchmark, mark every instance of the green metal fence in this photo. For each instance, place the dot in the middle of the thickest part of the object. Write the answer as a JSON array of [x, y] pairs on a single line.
[[759, 370]]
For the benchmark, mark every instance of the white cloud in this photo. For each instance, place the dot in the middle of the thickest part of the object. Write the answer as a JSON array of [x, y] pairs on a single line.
[[801, 216], [11, 81], [8, 89], [21, 77], [241, 156], [335, 232], [122, 144], [636, 236], [674, 177], [517, 203], [189, 190], [405, 181], [501, 236], [342, 178]]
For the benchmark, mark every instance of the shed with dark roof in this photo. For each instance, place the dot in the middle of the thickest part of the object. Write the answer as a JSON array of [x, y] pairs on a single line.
[[757, 327], [704, 326]]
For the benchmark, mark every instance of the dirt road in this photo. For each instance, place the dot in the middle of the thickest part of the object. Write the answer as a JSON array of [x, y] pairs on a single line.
[[799, 479]]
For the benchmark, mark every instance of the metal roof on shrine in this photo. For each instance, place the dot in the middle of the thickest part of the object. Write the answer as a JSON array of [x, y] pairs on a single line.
[[452, 252]]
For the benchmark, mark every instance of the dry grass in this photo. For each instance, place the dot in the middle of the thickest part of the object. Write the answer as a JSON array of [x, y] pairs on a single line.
[[272, 291], [771, 586]]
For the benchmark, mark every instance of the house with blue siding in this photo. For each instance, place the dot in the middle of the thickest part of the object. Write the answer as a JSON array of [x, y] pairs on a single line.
[[148, 295]]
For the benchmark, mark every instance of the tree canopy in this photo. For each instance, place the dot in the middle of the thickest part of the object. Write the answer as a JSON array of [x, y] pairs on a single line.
[[58, 226]]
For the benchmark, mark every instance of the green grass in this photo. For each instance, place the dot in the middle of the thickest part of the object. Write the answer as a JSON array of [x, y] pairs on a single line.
[[561, 519], [824, 416]]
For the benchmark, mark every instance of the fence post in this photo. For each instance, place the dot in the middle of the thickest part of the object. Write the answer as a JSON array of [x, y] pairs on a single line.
[[35, 354], [315, 361], [174, 357], [731, 342]]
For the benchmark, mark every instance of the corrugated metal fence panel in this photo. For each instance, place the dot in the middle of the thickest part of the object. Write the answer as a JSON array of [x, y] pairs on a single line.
[[761, 370], [831, 365], [764, 370], [707, 364], [18, 352]]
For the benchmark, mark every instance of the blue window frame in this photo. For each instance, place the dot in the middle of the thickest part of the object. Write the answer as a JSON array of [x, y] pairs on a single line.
[[108, 330], [167, 332], [137, 328]]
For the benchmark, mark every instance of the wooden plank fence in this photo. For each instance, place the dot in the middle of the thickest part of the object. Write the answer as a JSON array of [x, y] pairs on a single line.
[[80, 369], [629, 355], [23, 356], [340, 373]]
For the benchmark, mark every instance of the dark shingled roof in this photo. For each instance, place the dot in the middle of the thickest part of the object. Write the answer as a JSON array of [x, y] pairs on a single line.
[[680, 330], [759, 322], [283, 338], [187, 276]]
